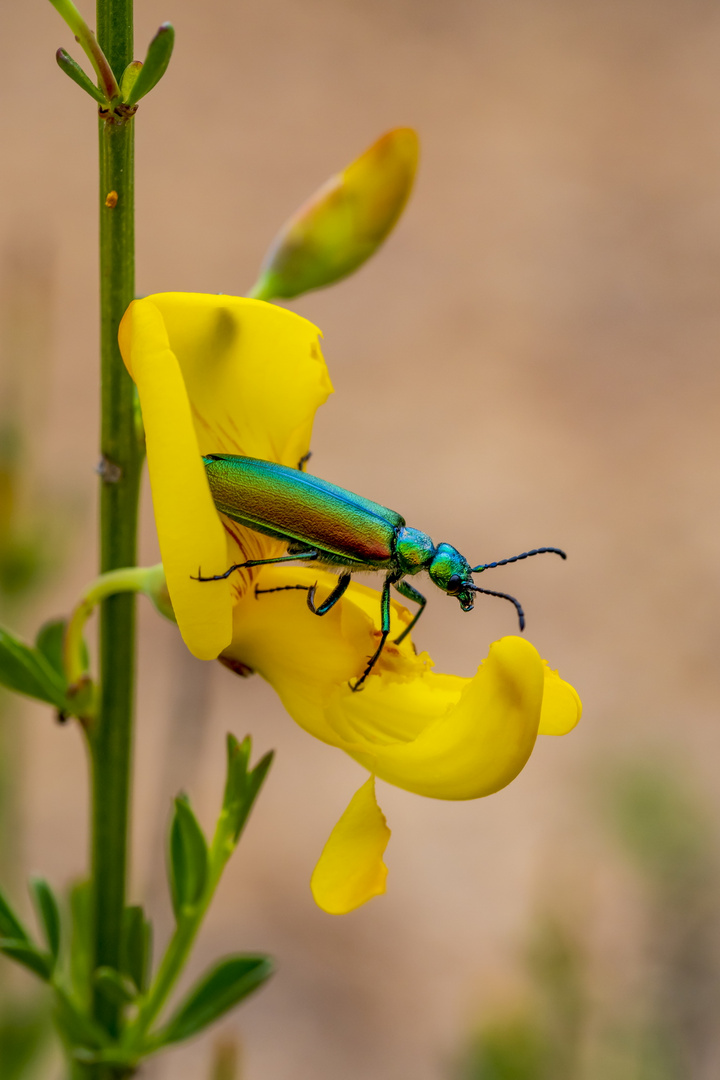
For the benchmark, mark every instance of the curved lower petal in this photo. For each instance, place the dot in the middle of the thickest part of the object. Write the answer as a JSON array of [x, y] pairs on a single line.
[[216, 374], [479, 742], [351, 870], [561, 707], [437, 735]]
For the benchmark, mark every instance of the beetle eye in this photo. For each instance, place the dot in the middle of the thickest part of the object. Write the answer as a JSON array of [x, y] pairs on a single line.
[[453, 585]]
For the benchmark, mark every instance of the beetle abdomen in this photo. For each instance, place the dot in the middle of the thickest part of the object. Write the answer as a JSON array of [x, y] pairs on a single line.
[[295, 506]]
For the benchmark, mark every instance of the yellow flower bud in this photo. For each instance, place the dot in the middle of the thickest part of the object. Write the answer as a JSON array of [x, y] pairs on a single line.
[[344, 222]]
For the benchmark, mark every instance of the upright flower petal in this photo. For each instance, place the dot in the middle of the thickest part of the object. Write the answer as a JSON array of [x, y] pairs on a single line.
[[215, 374], [190, 532]]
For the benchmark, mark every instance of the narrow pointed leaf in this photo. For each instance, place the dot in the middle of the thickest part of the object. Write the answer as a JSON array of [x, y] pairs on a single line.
[[223, 987], [23, 952], [24, 1031], [156, 62], [26, 671], [188, 858], [10, 925], [115, 986], [116, 1056], [81, 945], [76, 73], [242, 786], [49, 642], [129, 78], [258, 774], [79, 1030], [136, 946], [48, 913]]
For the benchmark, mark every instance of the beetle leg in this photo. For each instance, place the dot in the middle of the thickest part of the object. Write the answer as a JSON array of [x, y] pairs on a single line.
[[328, 603], [304, 460], [332, 599], [280, 588], [406, 589], [385, 627], [256, 562]]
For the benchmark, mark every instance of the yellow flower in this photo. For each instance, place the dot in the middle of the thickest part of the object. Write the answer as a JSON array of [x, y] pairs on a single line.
[[218, 374]]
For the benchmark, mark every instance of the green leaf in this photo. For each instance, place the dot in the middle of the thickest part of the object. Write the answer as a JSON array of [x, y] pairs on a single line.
[[257, 779], [10, 925], [76, 73], [242, 787], [24, 1030], [223, 987], [49, 642], [81, 945], [115, 986], [113, 1055], [156, 62], [136, 946], [25, 953], [26, 671], [129, 78], [48, 912], [79, 1030], [188, 858]]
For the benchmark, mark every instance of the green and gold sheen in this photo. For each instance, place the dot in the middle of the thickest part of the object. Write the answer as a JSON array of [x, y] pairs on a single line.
[[292, 505]]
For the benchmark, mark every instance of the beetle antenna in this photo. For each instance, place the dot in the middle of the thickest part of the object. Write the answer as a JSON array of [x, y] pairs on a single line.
[[504, 596], [517, 558]]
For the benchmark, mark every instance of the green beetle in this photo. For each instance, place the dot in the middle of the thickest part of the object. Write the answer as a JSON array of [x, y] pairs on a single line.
[[324, 523]]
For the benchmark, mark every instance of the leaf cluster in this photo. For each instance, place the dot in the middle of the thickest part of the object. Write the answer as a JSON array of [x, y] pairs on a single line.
[[64, 960], [118, 97]]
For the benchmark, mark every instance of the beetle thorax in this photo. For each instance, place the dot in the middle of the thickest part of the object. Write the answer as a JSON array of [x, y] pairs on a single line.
[[414, 550]]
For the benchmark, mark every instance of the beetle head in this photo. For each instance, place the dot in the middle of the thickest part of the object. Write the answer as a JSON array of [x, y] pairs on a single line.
[[450, 571]]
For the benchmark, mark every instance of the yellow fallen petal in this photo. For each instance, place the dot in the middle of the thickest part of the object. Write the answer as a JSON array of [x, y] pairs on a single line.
[[351, 870], [189, 529], [561, 706]]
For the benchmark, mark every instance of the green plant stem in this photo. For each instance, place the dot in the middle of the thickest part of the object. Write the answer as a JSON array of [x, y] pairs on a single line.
[[112, 738], [129, 579]]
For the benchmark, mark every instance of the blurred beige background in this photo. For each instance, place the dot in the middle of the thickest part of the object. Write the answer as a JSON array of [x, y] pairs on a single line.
[[532, 359]]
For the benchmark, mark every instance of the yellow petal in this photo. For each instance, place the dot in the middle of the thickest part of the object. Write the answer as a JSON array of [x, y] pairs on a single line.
[[351, 870], [309, 659], [189, 529], [344, 222], [433, 734], [216, 374], [254, 373], [473, 742], [561, 707]]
